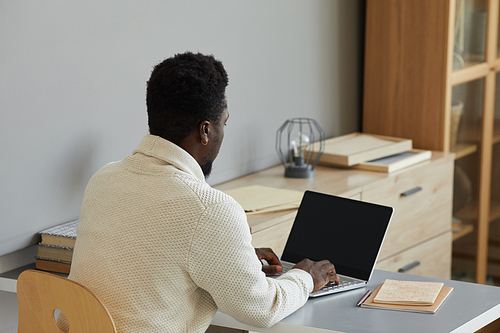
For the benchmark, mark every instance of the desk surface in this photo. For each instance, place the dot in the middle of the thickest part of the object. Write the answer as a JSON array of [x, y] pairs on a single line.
[[469, 307], [347, 181]]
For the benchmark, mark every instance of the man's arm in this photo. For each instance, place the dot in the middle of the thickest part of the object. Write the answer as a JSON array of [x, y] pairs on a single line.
[[223, 262], [322, 272], [273, 263]]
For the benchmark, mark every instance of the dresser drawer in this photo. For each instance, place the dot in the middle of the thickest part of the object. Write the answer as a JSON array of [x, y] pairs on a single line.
[[431, 258], [422, 202], [274, 237]]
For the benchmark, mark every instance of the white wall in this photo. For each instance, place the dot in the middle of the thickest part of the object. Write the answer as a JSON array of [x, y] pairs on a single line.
[[73, 77]]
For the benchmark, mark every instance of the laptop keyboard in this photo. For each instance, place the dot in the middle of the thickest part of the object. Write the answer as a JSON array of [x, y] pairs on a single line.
[[286, 267], [345, 283]]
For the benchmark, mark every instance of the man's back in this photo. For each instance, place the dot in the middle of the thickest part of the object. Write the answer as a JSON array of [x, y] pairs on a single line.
[[161, 248]]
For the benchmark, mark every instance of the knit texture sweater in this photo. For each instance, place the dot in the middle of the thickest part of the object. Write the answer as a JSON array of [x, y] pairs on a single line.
[[163, 250]]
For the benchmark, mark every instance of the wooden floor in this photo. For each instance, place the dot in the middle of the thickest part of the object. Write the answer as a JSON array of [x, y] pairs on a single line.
[[494, 327]]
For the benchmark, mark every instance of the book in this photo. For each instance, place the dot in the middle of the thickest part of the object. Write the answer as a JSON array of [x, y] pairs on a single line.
[[54, 252], [53, 265], [408, 292], [427, 309], [61, 235], [355, 148], [396, 162]]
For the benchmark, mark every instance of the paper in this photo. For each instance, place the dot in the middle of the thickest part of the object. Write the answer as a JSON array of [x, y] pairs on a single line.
[[260, 199], [408, 292]]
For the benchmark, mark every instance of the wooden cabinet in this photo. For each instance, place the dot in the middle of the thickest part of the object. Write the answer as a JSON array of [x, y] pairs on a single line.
[[431, 73], [422, 206], [275, 235], [420, 231], [431, 258]]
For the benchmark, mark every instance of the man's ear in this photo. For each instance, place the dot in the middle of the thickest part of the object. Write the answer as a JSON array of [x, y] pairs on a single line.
[[205, 129]]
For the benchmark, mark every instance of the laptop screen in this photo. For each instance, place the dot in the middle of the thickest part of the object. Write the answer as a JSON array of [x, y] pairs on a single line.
[[347, 232]]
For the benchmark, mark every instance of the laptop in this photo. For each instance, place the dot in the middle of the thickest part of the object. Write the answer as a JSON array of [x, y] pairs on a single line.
[[347, 232]]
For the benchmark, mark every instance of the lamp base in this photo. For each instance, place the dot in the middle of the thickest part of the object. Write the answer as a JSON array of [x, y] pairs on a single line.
[[299, 171]]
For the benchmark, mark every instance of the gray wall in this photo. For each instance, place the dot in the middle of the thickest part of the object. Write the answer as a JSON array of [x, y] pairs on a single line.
[[73, 77]]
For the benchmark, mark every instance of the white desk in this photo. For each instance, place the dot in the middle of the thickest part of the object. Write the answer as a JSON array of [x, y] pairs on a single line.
[[469, 307]]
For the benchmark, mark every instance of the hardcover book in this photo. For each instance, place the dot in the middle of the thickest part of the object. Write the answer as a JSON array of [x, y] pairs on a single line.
[[61, 235], [54, 252], [53, 265]]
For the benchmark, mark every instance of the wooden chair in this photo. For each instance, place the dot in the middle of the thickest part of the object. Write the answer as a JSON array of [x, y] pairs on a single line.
[[39, 294]]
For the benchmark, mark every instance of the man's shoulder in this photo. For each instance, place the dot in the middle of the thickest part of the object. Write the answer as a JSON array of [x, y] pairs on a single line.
[[208, 195], [106, 170]]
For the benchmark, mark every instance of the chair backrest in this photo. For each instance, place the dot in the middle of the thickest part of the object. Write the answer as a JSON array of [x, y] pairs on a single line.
[[39, 294]]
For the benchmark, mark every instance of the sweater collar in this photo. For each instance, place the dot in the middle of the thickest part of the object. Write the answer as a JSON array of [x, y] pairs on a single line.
[[155, 146]]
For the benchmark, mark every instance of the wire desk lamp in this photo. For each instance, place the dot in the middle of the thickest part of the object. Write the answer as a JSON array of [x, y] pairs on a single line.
[[301, 148]]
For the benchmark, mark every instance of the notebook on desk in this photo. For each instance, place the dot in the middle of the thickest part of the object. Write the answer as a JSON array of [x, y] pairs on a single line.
[[347, 232]]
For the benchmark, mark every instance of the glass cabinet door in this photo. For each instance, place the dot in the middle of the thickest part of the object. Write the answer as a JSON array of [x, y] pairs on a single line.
[[498, 41], [466, 117], [494, 218], [495, 167], [470, 33], [465, 140]]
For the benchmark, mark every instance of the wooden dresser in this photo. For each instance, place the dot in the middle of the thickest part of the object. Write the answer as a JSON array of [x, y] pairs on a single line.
[[419, 238]]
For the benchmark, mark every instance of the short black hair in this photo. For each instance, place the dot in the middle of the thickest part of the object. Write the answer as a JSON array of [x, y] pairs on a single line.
[[183, 91]]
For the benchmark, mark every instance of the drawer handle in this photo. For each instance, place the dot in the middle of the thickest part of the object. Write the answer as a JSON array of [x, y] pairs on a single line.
[[409, 266], [412, 191]]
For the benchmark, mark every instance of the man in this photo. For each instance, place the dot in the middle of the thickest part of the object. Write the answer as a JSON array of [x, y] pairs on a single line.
[[162, 249]]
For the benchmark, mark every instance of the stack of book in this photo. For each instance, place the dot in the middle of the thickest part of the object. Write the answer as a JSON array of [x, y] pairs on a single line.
[[371, 152], [55, 252]]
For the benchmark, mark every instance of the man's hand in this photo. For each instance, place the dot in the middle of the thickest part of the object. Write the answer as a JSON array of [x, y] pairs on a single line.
[[322, 272], [272, 259]]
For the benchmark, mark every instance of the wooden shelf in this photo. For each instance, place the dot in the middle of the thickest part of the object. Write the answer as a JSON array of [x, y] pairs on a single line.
[[496, 133], [465, 149], [473, 136], [469, 213], [462, 150], [474, 70], [494, 210], [461, 229]]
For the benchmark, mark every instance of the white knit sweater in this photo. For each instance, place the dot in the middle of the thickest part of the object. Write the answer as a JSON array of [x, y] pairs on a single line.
[[163, 250]]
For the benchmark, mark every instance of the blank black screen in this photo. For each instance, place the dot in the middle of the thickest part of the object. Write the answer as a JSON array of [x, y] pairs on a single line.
[[347, 232]]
